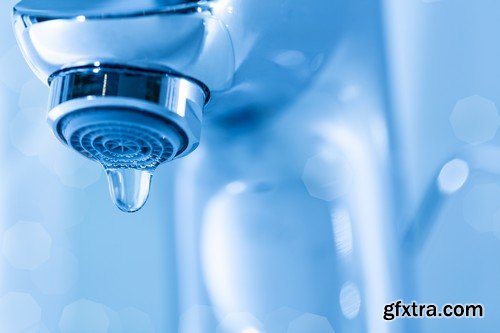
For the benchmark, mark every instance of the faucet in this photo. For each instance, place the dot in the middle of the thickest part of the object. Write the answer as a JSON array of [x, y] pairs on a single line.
[[297, 132], [128, 82]]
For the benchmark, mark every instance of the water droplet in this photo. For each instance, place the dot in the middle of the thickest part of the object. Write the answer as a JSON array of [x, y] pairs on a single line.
[[129, 188]]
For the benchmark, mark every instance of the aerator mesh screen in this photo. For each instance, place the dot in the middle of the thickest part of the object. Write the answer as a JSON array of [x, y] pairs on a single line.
[[122, 139]]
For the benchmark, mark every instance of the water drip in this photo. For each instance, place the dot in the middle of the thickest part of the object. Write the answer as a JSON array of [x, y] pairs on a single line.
[[129, 188]]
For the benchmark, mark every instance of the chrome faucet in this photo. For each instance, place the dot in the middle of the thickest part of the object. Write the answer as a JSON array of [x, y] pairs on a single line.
[[128, 82], [134, 82]]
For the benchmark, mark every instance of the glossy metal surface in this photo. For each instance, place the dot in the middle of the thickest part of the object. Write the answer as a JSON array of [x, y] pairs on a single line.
[[173, 99], [200, 47]]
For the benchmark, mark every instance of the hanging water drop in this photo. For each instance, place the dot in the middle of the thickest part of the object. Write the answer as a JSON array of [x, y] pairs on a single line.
[[129, 188]]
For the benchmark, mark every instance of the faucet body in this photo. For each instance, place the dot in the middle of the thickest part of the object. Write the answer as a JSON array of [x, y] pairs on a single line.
[[294, 195]]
